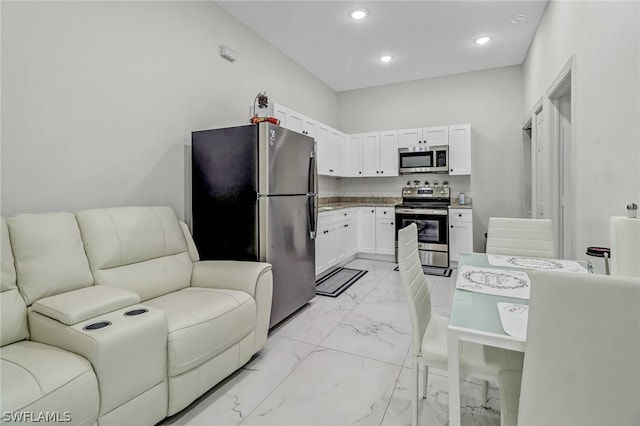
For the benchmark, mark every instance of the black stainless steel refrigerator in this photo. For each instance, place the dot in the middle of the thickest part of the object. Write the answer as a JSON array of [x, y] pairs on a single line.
[[254, 197]]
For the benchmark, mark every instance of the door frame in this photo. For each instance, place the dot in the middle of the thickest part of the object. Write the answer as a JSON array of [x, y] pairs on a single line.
[[563, 170]]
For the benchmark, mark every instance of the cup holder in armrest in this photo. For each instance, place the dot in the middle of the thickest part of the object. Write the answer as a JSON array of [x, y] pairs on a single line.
[[135, 312], [97, 325]]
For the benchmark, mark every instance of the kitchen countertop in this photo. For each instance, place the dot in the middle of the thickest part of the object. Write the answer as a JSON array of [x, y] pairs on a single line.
[[333, 203], [326, 204], [455, 205]]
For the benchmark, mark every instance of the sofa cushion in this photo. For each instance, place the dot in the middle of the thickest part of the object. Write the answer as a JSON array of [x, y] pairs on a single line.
[[142, 249], [13, 311], [203, 323], [39, 378], [49, 255]]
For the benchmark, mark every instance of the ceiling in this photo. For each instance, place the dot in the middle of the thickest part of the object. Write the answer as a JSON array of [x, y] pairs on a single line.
[[425, 38]]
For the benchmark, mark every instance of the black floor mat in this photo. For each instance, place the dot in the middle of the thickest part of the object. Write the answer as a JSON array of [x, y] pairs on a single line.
[[337, 281]]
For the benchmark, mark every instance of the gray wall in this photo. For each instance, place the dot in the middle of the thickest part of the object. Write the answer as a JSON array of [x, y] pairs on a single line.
[[490, 100], [605, 39], [99, 98]]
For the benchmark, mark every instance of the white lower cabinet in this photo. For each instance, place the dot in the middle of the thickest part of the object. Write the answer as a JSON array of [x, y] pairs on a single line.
[[460, 233], [385, 230], [343, 233], [336, 239], [367, 229]]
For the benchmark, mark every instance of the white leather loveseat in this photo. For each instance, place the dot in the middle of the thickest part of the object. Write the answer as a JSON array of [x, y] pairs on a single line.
[[124, 289]]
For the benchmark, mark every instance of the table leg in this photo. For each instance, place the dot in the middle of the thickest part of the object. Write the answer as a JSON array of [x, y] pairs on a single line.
[[454, 379]]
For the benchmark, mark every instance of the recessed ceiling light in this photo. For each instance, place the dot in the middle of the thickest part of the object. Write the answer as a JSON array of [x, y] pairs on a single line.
[[359, 14], [482, 40], [385, 58], [518, 18]]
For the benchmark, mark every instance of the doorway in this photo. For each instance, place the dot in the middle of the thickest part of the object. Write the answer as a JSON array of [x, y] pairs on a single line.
[[563, 144]]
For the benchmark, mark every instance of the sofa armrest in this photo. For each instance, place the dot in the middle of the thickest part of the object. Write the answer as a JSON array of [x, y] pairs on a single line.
[[80, 305], [229, 274]]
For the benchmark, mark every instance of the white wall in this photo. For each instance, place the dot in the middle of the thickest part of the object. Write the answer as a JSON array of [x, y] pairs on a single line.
[[490, 100], [99, 98], [605, 38]]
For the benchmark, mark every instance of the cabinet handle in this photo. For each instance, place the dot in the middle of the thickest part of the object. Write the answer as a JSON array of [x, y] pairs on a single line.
[[391, 223], [451, 226], [377, 171], [360, 172], [381, 171], [459, 214], [450, 170], [346, 225], [373, 211]]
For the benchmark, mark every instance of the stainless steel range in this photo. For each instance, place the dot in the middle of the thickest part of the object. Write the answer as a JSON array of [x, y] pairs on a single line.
[[428, 207]]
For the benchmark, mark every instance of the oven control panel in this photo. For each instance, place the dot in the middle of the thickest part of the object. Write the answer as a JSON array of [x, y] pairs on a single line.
[[425, 192]]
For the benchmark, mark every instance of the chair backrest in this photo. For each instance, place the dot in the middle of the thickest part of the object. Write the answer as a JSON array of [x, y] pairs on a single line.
[[49, 256], [414, 283], [625, 246], [142, 249], [13, 311], [581, 362], [521, 237]]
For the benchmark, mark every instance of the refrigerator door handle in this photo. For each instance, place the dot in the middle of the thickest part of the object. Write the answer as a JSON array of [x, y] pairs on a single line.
[[312, 196]]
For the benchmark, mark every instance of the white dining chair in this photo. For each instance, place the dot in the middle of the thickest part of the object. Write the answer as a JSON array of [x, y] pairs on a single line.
[[521, 237], [429, 332], [581, 356], [625, 246]]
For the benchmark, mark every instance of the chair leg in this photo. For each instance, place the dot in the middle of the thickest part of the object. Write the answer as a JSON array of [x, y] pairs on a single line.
[[425, 378], [485, 393], [414, 390]]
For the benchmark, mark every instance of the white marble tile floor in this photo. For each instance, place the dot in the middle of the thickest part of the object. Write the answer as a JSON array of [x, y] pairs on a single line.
[[341, 361]]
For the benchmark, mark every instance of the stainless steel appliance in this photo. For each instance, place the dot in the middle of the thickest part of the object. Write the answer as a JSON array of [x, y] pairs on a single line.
[[424, 159], [427, 207], [254, 197]]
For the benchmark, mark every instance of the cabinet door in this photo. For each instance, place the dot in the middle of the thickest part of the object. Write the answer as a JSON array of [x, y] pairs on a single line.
[[321, 248], [279, 112], [389, 153], [309, 126], [349, 240], [337, 153], [367, 230], [437, 135], [460, 149], [371, 154], [385, 236], [355, 155], [409, 137], [460, 233], [322, 149]]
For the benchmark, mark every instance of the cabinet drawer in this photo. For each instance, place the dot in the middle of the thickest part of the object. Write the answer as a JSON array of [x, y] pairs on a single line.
[[460, 215], [385, 212]]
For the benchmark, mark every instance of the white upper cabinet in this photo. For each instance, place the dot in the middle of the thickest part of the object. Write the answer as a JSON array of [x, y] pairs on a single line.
[[322, 149], [354, 155], [410, 137], [423, 136], [292, 120], [389, 153], [371, 154], [436, 135], [460, 149]]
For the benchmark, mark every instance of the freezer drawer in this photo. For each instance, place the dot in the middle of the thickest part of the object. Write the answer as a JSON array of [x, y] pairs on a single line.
[[285, 242]]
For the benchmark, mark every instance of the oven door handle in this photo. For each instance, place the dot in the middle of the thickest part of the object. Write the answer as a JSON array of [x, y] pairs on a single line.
[[435, 212]]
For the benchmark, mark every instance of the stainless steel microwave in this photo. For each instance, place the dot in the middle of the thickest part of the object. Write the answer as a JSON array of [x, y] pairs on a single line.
[[424, 159]]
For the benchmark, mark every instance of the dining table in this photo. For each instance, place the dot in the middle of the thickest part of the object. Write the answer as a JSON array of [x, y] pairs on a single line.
[[491, 290]]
